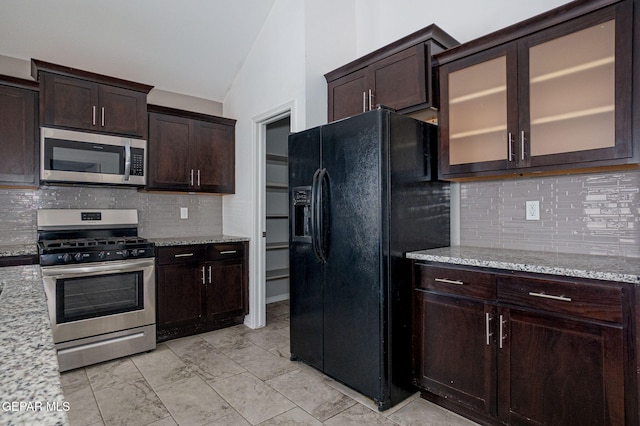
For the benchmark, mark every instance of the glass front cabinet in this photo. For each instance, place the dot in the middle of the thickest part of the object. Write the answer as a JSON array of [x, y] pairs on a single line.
[[559, 98]]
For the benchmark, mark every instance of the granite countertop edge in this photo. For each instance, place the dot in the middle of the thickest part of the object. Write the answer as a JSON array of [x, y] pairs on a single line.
[[606, 268], [185, 241], [30, 386]]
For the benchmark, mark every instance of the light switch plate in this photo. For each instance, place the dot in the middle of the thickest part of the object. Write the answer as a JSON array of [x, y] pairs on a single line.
[[184, 213], [533, 210]]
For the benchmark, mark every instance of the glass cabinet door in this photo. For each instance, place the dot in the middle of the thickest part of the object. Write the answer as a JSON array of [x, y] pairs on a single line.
[[477, 113], [572, 92]]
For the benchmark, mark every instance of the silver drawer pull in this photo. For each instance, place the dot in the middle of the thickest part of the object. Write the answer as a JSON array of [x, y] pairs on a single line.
[[229, 252], [444, 280], [183, 255], [550, 296]]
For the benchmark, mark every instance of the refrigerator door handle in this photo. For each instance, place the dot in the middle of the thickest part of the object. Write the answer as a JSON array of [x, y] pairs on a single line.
[[314, 212], [321, 232]]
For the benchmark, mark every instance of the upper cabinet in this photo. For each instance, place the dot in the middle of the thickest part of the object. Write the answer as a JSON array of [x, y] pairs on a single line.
[[398, 76], [190, 151], [552, 93], [18, 132], [80, 100]]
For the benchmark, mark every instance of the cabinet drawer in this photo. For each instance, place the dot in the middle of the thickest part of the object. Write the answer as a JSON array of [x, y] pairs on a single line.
[[180, 254], [457, 281], [594, 301], [225, 251]]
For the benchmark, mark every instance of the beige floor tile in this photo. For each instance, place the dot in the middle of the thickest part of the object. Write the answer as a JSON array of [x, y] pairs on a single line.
[[421, 412], [167, 421], [295, 417], [359, 415], [161, 366], [83, 408], [229, 339], [130, 404], [261, 363], [311, 394], [112, 374], [193, 402], [233, 419], [252, 398], [204, 359], [73, 378]]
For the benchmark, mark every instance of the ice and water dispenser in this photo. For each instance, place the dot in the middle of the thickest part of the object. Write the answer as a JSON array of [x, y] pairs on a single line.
[[301, 214]]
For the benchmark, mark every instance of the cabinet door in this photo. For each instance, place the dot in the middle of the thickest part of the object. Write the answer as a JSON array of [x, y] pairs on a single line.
[[214, 152], [68, 102], [454, 349], [348, 95], [479, 112], [225, 290], [180, 294], [400, 80], [18, 136], [122, 111], [169, 152], [557, 371], [575, 97]]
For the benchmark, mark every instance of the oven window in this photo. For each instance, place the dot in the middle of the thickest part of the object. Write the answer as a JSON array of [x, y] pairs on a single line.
[[98, 295]]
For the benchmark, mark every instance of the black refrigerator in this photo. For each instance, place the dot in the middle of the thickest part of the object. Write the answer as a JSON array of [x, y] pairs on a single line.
[[362, 193]]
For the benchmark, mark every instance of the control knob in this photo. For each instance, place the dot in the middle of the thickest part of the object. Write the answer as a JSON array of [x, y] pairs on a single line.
[[101, 254], [125, 253], [134, 252], [77, 257], [66, 257]]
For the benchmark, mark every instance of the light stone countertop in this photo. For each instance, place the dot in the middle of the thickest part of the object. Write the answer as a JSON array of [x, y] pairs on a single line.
[[30, 388], [185, 241], [18, 250], [607, 268]]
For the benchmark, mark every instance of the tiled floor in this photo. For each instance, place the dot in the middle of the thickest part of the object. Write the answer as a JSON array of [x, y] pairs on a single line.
[[234, 376]]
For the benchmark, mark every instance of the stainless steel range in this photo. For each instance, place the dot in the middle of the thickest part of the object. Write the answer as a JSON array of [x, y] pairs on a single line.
[[99, 278]]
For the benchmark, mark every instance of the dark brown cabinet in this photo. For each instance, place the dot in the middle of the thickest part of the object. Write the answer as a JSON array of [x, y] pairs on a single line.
[[515, 348], [18, 132], [200, 288], [548, 94], [190, 151], [396, 76], [80, 100]]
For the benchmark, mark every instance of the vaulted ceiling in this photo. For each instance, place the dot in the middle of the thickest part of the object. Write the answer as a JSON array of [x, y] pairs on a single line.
[[193, 47]]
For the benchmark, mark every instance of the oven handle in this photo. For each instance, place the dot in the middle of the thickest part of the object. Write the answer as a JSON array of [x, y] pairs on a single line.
[[111, 267]]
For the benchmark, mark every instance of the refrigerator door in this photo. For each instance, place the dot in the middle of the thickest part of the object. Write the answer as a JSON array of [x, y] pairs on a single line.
[[305, 270], [351, 155]]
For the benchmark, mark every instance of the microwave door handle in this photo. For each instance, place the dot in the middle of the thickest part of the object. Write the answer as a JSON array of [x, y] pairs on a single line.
[[127, 159]]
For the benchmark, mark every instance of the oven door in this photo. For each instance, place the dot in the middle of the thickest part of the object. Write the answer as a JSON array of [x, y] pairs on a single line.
[[97, 298]]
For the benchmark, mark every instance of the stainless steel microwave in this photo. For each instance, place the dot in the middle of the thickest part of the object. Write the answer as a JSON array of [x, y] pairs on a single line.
[[68, 156]]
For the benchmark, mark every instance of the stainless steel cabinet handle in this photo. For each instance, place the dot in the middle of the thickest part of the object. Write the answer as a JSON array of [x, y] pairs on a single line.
[[370, 100], [522, 141], [488, 327], [191, 178], [210, 275], [510, 147], [502, 335], [183, 255], [198, 177], [229, 252], [93, 114], [364, 101], [444, 280], [203, 280], [550, 296], [102, 116], [127, 159]]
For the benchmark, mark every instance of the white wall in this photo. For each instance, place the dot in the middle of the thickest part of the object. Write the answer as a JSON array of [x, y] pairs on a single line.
[[382, 21]]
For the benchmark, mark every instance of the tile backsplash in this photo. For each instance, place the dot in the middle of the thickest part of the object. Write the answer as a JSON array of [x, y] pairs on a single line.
[[588, 213], [158, 213]]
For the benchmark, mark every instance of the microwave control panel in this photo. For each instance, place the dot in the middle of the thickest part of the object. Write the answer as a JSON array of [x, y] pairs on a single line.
[[137, 162]]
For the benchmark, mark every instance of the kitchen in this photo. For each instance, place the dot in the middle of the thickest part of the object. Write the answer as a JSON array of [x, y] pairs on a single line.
[[490, 213]]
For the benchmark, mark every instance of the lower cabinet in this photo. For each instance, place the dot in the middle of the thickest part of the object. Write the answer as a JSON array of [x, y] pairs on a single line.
[[200, 288], [523, 349]]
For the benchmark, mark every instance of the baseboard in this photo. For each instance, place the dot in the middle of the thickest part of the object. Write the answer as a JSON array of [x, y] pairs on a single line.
[[278, 298]]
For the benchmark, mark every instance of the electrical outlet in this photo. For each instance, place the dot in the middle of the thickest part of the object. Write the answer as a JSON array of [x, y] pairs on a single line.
[[184, 213], [533, 210]]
